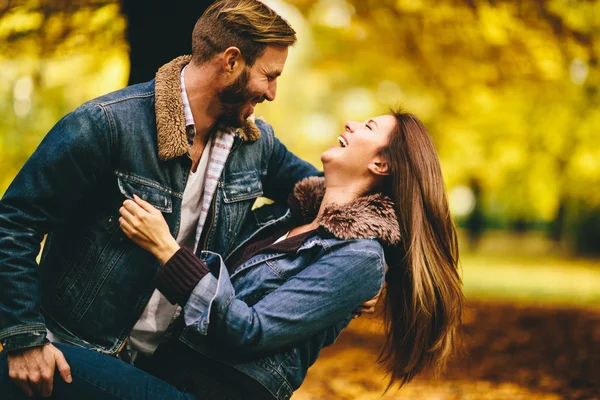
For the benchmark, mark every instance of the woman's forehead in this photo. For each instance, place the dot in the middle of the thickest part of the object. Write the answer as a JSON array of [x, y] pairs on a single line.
[[386, 121]]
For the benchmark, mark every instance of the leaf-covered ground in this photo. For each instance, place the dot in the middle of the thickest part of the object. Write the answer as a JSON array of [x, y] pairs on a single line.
[[510, 352]]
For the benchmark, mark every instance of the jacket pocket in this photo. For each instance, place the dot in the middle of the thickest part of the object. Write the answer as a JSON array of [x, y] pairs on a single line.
[[241, 186], [239, 192], [147, 190]]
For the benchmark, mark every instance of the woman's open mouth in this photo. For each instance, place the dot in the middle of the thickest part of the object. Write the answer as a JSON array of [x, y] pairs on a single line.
[[343, 141]]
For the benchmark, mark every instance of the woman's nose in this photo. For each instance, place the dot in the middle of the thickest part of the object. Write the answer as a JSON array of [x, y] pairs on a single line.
[[350, 126]]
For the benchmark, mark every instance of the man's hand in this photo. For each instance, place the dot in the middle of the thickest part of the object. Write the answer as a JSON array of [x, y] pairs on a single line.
[[32, 370], [368, 307]]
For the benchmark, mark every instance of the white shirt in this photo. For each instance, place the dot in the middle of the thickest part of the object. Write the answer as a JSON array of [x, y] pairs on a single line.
[[150, 328]]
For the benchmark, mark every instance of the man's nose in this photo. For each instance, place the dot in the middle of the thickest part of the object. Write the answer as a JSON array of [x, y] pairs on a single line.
[[271, 91]]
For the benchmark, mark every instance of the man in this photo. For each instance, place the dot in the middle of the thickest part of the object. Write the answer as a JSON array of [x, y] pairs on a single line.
[[182, 142]]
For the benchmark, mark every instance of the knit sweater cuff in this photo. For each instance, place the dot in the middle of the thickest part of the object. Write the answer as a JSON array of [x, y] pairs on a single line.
[[180, 275]]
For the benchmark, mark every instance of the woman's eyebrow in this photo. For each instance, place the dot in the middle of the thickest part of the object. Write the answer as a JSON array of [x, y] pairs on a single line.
[[373, 121]]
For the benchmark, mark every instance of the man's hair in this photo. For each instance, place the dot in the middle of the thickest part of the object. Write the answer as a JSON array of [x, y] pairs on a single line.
[[248, 25]]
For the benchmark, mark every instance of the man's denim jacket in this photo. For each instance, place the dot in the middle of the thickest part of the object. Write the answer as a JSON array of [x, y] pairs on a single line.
[[93, 282], [273, 315]]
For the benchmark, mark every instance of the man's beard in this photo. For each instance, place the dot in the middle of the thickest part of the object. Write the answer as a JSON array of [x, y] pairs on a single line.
[[234, 98]]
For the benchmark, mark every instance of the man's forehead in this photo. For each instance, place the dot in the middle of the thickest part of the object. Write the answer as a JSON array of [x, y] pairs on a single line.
[[273, 59]]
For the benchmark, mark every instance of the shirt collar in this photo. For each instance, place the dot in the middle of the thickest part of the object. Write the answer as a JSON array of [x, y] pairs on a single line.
[[187, 110]]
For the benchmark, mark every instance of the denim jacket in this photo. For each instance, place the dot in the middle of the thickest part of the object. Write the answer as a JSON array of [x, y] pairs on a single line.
[[92, 282], [274, 314]]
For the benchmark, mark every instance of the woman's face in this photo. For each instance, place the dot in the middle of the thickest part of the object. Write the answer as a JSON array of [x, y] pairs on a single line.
[[358, 148]]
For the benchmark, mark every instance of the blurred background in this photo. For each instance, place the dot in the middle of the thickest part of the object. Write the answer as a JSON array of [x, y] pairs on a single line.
[[509, 91]]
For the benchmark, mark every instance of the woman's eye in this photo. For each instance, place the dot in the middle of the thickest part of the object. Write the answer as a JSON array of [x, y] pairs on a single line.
[[368, 127]]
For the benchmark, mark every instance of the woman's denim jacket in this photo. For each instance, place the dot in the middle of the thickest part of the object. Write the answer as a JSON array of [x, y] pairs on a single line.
[[274, 314], [92, 282]]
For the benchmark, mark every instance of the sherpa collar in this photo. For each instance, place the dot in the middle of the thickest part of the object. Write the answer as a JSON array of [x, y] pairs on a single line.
[[170, 119], [366, 217]]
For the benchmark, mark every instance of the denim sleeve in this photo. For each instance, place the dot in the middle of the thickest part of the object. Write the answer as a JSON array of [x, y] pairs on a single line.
[[67, 163], [322, 295], [283, 169]]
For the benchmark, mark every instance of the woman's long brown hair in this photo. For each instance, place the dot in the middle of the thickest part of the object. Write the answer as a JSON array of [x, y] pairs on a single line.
[[424, 299]]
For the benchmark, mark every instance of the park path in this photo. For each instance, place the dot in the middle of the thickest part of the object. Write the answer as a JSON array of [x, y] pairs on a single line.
[[511, 352]]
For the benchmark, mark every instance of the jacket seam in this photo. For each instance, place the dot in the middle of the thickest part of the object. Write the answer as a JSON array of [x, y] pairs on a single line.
[[110, 121], [227, 303], [62, 337], [374, 253], [131, 97], [90, 294], [275, 269], [265, 365], [17, 330]]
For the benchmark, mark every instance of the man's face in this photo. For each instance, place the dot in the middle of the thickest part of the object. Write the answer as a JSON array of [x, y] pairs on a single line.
[[253, 85]]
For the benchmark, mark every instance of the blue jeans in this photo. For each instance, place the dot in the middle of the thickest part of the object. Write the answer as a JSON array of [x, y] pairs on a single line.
[[96, 376]]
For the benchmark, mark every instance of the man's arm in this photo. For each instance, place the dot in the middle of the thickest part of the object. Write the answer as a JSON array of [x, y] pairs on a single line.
[[283, 168], [51, 184], [43, 195]]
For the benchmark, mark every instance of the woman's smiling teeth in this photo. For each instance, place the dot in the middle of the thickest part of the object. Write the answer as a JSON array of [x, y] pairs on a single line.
[[342, 141]]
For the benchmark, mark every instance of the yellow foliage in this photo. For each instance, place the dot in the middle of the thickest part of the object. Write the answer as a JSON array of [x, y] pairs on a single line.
[[496, 84], [19, 21]]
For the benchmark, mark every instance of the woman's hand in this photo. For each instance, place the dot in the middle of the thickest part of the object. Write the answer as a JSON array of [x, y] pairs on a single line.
[[146, 227]]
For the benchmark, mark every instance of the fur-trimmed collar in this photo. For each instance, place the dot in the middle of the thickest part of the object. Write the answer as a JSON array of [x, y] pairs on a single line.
[[170, 120], [366, 217]]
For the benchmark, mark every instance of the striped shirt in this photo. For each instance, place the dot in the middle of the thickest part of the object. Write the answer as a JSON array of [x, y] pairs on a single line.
[[222, 143], [221, 146]]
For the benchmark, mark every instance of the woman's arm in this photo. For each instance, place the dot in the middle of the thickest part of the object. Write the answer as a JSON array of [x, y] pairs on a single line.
[[182, 269], [323, 294], [146, 226]]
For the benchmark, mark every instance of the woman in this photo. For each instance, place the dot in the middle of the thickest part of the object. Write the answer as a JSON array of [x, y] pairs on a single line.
[[262, 315]]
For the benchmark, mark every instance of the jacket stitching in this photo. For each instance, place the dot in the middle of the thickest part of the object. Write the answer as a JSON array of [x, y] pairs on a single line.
[[33, 328], [130, 97], [112, 129], [147, 182]]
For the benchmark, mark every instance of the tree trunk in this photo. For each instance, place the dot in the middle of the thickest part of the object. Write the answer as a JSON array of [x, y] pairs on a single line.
[[557, 226], [158, 31]]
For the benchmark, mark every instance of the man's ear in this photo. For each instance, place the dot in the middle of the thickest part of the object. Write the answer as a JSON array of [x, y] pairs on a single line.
[[379, 166], [232, 59]]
